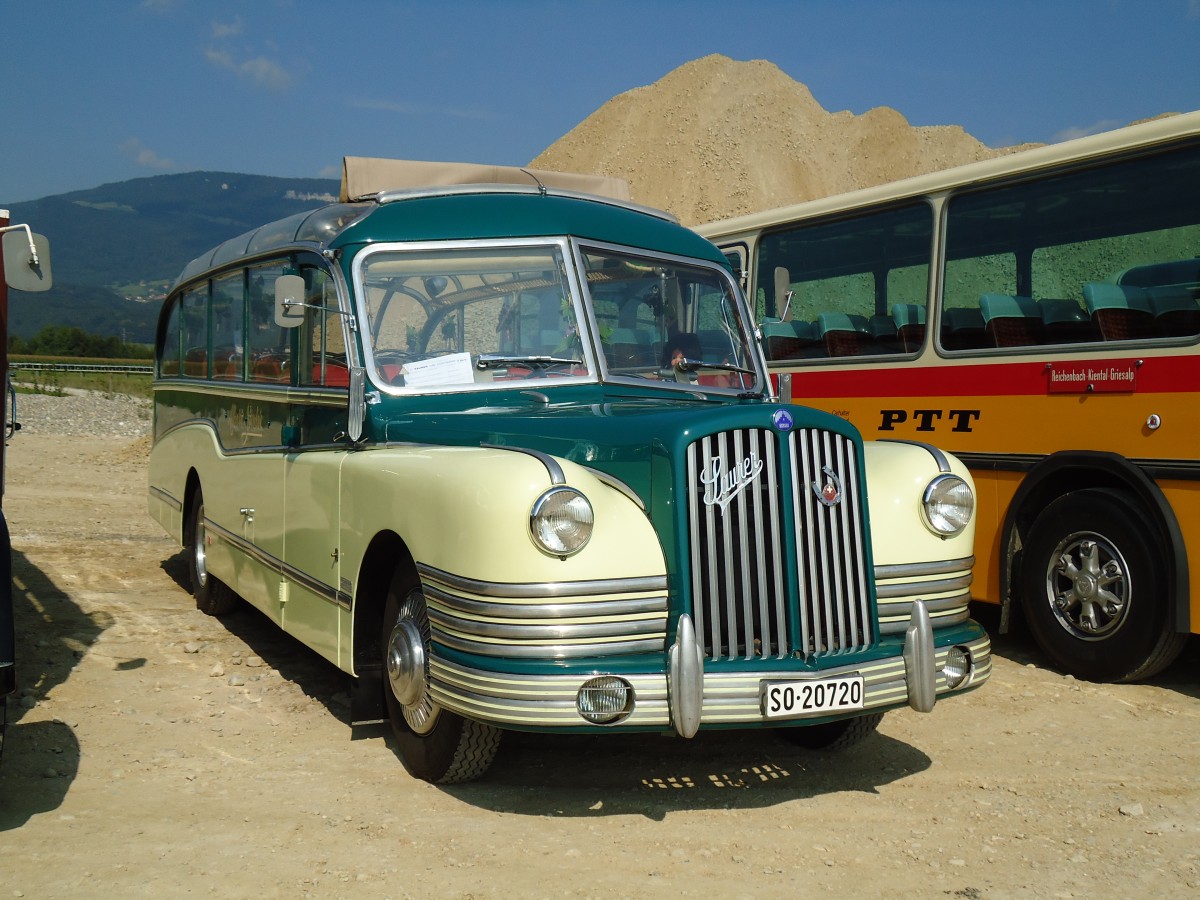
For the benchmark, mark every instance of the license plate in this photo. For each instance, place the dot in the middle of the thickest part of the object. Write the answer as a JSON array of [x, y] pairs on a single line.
[[792, 699]]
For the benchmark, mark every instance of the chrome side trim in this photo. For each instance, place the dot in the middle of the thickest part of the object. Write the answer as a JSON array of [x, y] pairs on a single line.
[[939, 457], [617, 485], [277, 565], [166, 498], [555, 630], [538, 590], [541, 611], [958, 584], [557, 476], [917, 570]]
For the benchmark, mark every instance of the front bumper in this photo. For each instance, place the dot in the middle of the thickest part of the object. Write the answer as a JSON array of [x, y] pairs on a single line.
[[685, 697]]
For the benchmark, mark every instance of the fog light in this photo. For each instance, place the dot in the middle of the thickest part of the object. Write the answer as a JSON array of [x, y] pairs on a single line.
[[957, 667], [605, 699]]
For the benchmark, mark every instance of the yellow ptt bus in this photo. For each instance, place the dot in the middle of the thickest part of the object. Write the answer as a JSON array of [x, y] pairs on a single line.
[[1036, 314]]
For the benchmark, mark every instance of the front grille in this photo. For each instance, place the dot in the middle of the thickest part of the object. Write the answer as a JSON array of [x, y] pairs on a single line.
[[754, 598]]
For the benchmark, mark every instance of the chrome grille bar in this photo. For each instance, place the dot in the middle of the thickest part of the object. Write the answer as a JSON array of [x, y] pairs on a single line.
[[739, 503], [738, 558], [834, 599]]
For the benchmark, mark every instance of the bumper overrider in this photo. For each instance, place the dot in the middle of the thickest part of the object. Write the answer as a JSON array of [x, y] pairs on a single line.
[[516, 671]]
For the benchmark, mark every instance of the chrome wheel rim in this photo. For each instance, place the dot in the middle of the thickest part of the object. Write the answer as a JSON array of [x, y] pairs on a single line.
[[406, 659], [1088, 586], [199, 551]]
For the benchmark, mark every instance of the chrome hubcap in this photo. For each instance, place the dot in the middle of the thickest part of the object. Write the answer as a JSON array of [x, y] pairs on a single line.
[[406, 662], [1088, 586], [406, 659]]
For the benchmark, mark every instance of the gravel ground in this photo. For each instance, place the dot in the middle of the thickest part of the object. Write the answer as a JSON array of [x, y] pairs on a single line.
[[84, 413], [149, 755]]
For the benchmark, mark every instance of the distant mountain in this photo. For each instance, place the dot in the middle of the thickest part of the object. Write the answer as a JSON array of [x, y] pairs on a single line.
[[116, 248]]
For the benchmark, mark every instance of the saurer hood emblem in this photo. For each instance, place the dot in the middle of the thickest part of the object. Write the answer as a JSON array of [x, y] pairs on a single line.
[[720, 487], [829, 493]]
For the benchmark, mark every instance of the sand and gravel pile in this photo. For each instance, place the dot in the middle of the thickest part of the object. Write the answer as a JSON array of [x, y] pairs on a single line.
[[717, 138]]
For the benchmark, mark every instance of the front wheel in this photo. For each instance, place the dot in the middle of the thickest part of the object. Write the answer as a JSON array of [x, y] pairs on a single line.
[[1093, 589], [213, 596], [434, 745]]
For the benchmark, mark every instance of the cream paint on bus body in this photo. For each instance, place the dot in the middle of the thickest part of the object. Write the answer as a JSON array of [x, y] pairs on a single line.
[[393, 489]]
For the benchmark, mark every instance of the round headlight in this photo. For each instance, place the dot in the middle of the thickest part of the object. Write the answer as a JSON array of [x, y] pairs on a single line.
[[561, 521], [948, 504]]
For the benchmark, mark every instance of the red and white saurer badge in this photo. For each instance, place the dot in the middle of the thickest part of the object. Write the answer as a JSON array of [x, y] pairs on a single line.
[[829, 493]]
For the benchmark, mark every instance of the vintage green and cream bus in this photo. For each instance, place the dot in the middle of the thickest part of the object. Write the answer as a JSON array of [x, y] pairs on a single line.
[[506, 452]]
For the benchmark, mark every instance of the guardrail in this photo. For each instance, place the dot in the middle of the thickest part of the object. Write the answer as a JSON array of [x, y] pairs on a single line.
[[81, 367]]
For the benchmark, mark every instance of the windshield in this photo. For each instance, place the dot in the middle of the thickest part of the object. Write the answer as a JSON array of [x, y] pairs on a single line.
[[453, 318], [667, 321]]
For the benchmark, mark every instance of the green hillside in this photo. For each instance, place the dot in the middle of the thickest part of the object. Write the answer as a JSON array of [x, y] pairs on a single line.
[[116, 248]]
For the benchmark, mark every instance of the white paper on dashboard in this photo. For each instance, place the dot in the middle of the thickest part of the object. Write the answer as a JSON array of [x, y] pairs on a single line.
[[454, 368]]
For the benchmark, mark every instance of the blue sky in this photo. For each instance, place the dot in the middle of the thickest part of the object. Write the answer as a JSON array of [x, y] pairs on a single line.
[[96, 91]]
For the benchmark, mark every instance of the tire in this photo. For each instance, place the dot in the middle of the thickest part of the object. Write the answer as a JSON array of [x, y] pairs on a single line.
[[833, 736], [213, 596], [433, 744], [1093, 589]]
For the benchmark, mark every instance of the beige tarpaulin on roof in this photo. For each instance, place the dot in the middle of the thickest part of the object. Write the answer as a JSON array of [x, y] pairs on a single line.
[[364, 176]]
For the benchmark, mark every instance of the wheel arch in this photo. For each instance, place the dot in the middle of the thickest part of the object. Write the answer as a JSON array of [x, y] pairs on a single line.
[[190, 486], [1073, 470], [386, 552]]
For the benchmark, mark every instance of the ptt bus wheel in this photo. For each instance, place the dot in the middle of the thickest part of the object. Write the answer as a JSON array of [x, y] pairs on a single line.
[[213, 596], [433, 744], [832, 735], [1093, 589]]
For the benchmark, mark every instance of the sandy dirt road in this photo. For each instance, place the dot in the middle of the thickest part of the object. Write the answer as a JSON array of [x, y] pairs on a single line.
[[158, 752]]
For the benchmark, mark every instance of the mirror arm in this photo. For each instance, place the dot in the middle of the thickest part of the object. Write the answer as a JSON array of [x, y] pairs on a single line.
[[291, 304], [33, 257]]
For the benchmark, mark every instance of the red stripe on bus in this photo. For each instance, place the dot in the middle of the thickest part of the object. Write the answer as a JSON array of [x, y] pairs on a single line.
[[1156, 374]]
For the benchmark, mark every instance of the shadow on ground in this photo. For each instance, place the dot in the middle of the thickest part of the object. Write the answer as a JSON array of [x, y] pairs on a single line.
[[41, 758]]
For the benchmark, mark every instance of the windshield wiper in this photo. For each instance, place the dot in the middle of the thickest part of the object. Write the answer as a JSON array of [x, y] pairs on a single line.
[[499, 361], [691, 365]]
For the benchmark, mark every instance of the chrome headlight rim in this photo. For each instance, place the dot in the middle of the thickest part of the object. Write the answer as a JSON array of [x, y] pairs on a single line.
[[560, 522], [941, 514]]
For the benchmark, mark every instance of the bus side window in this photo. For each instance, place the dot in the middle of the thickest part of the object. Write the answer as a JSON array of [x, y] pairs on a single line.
[[268, 346], [169, 358], [228, 326], [322, 341], [194, 332]]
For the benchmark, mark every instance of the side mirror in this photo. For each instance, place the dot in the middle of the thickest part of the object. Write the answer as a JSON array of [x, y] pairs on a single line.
[[289, 301], [26, 260]]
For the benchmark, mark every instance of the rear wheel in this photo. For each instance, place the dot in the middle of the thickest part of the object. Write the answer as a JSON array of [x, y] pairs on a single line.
[[833, 735], [1093, 588], [434, 745], [213, 596]]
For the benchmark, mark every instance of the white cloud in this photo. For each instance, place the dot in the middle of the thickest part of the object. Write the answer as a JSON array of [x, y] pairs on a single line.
[[227, 29], [262, 71], [144, 156], [246, 64]]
